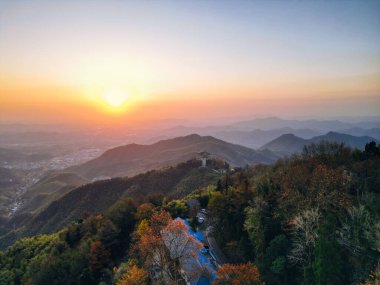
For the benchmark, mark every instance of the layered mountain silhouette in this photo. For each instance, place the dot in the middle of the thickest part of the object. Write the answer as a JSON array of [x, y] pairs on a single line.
[[321, 125], [257, 132], [289, 144], [132, 159]]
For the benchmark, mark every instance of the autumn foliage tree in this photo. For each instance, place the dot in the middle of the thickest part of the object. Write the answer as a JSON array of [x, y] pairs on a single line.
[[131, 274], [238, 274], [135, 276], [161, 244], [178, 241]]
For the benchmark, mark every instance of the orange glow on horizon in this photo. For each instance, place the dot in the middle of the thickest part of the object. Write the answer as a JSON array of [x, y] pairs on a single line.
[[125, 105], [128, 61]]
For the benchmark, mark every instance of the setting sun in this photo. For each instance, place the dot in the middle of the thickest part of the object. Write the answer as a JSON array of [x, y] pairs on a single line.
[[115, 98]]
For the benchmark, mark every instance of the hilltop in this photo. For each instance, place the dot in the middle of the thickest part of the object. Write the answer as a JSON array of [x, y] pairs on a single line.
[[132, 159]]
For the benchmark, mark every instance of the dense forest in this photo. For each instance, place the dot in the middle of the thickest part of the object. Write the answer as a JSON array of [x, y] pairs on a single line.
[[309, 219]]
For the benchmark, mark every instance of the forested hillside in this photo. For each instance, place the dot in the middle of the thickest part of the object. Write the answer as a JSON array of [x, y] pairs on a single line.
[[309, 219], [169, 182]]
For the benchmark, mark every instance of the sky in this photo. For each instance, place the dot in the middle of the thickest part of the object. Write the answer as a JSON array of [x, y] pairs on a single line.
[[116, 62]]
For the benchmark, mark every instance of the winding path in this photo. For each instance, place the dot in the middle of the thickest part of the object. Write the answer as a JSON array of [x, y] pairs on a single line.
[[214, 248]]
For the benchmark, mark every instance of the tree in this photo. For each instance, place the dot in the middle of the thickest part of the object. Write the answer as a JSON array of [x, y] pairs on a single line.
[[144, 211], [151, 248], [360, 233], [360, 236], [304, 237], [156, 199], [122, 215], [328, 265], [227, 213], [238, 274], [130, 274], [179, 242], [158, 221], [371, 150], [109, 236], [142, 228], [330, 153], [154, 254], [99, 257], [324, 183], [254, 227], [163, 245], [275, 259], [72, 235], [135, 276], [176, 208]]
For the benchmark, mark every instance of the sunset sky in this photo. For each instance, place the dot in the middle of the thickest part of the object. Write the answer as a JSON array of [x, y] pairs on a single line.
[[125, 61]]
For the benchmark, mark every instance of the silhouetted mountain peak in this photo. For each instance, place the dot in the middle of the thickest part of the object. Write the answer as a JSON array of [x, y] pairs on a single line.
[[288, 143], [133, 158], [288, 136]]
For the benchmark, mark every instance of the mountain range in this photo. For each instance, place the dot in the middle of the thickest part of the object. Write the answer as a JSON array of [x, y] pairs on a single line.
[[270, 123], [257, 132], [288, 144], [132, 159], [63, 195], [123, 161]]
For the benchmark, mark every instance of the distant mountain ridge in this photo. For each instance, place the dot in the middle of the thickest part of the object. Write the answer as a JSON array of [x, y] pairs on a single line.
[[289, 144], [252, 139], [321, 125], [132, 159], [356, 131], [285, 144], [257, 137], [257, 132]]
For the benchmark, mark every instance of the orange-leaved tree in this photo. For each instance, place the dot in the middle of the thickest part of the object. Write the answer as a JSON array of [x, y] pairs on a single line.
[[130, 274], [162, 243], [238, 274]]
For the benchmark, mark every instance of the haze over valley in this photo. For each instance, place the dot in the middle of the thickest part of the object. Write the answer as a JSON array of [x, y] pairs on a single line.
[[40, 165]]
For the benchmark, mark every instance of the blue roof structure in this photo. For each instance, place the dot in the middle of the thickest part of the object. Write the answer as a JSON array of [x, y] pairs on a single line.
[[201, 256]]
